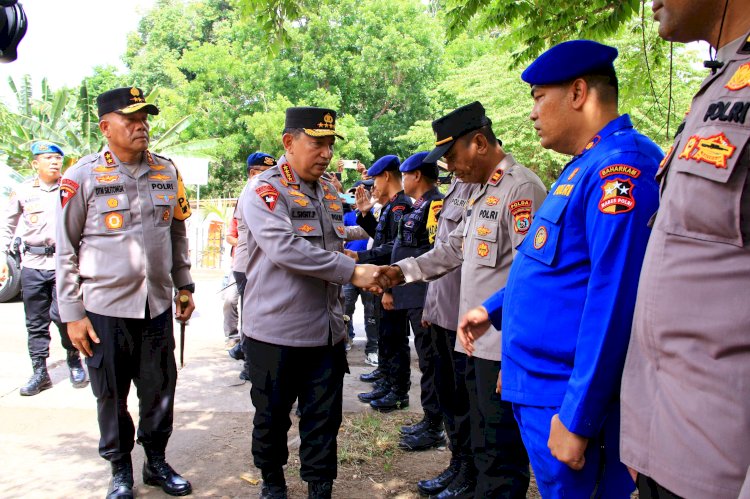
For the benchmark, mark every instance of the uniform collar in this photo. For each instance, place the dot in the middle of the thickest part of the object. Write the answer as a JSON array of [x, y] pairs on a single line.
[[620, 123], [111, 160]]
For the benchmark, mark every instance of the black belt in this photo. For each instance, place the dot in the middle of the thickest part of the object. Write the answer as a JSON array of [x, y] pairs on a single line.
[[39, 250]]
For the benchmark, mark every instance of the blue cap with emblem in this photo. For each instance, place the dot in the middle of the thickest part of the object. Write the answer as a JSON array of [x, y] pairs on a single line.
[[569, 60], [386, 163], [43, 147], [416, 162], [259, 160]]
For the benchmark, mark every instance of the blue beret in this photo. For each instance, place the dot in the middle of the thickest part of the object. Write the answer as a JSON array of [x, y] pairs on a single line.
[[260, 159], [43, 147], [569, 60], [417, 162], [365, 183], [389, 162]]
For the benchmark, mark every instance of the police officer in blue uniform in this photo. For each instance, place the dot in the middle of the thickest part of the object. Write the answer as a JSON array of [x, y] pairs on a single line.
[[387, 187], [567, 308]]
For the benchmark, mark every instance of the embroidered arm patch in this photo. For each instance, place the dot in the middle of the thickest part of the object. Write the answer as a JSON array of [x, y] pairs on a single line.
[[270, 195]]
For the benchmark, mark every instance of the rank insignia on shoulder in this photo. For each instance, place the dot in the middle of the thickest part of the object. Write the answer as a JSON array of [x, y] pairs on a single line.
[[573, 173], [330, 197], [103, 169], [150, 158], [740, 79], [159, 176], [496, 177], [107, 179], [714, 150], [306, 229], [68, 189], [109, 159], [491, 201], [540, 238], [301, 202], [296, 193], [288, 174], [483, 250], [620, 170], [617, 196], [269, 195], [592, 143]]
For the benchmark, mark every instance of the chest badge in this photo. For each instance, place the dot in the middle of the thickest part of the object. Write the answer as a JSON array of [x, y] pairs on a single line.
[[330, 197], [540, 238], [334, 207], [483, 250], [295, 193], [104, 169], [301, 202], [165, 214], [107, 179], [306, 229], [714, 150], [113, 221], [740, 79], [159, 176], [340, 230], [491, 201], [112, 202], [483, 231]]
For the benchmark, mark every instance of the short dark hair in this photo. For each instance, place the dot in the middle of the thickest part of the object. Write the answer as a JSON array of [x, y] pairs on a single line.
[[294, 132], [488, 133], [606, 86]]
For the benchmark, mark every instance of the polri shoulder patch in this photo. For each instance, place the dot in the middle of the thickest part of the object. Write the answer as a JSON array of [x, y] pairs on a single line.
[[269, 195], [617, 196]]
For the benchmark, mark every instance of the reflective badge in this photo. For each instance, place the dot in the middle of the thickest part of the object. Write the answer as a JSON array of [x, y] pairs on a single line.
[[113, 221], [483, 231], [286, 171], [68, 189], [107, 179], [617, 196], [330, 197], [112, 202], [334, 207], [491, 201], [182, 212], [740, 79], [521, 211], [165, 214], [109, 159], [301, 202], [496, 177], [483, 250], [104, 169], [666, 157], [269, 195], [573, 173], [714, 150], [620, 170], [159, 176], [540, 238], [306, 229], [293, 192]]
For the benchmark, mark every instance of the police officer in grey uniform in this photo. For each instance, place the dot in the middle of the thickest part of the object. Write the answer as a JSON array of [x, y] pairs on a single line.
[[293, 308], [35, 200], [122, 247], [496, 221]]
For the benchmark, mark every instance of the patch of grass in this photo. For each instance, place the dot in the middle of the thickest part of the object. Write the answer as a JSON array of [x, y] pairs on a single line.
[[367, 437]]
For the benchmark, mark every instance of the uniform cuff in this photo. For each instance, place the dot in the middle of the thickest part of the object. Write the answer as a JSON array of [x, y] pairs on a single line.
[[344, 269], [181, 278], [494, 306], [71, 312], [411, 270]]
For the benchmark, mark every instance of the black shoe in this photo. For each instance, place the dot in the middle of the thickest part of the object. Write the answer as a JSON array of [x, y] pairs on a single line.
[[462, 487], [416, 428], [157, 472], [77, 374], [431, 437], [244, 375], [377, 393], [38, 381], [271, 491], [319, 490], [121, 483], [390, 402], [440, 482], [236, 352], [372, 376]]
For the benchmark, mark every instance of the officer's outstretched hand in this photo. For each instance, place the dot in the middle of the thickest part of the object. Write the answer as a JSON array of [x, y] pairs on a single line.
[[364, 277], [565, 445], [80, 332], [472, 326], [389, 276], [184, 312]]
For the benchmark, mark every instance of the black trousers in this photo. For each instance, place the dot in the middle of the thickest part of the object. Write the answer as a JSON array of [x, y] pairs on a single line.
[[141, 351], [351, 293], [648, 488], [40, 306], [450, 387], [499, 454], [315, 377]]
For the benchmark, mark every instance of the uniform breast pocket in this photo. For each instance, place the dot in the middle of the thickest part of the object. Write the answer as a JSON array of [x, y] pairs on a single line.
[[114, 212], [703, 195], [33, 214], [164, 203], [541, 241], [306, 223], [484, 243]]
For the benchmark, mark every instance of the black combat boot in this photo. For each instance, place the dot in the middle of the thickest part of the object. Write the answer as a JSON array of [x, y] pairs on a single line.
[[273, 486], [432, 436], [391, 402], [462, 487], [157, 472], [39, 380], [319, 490], [77, 374], [378, 392], [416, 428], [236, 352], [121, 483], [372, 376], [440, 482]]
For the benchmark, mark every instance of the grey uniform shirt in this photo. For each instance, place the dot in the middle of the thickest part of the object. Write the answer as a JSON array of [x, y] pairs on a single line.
[[36, 203], [495, 221], [686, 383], [239, 262], [442, 299], [295, 262], [119, 242]]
